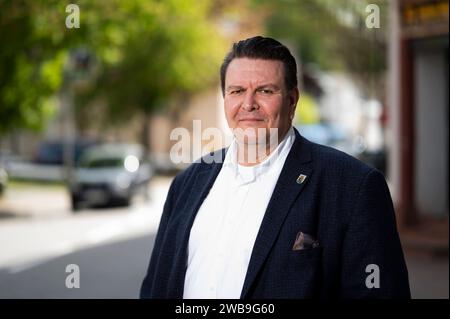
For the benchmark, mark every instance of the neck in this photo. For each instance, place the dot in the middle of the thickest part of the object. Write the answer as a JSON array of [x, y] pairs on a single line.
[[255, 153]]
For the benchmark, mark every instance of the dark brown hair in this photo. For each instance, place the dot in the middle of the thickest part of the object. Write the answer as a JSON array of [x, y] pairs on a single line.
[[262, 48]]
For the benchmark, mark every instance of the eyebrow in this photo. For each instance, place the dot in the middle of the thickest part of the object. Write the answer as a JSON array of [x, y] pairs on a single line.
[[268, 85], [233, 87]]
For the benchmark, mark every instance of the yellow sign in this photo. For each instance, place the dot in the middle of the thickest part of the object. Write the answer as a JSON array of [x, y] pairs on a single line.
[[425, 13]]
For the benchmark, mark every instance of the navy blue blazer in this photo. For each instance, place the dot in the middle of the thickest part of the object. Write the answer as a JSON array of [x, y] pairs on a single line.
[[343, 203]]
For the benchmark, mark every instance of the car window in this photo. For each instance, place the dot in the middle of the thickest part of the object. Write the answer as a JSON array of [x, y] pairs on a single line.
[[102, 163]]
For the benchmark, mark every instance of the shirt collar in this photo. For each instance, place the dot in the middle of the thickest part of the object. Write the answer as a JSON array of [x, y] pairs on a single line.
[[248, 174]]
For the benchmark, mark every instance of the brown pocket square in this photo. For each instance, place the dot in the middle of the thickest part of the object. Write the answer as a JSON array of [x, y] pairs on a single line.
[[304, 241]]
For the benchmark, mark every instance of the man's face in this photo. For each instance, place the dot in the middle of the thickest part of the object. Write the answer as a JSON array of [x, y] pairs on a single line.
[[256, 96]]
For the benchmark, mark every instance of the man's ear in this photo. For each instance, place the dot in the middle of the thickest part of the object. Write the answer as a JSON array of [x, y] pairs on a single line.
[[294, 95]]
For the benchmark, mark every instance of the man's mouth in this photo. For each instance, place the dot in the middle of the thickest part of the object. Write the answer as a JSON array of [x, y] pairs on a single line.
[[251, 119]]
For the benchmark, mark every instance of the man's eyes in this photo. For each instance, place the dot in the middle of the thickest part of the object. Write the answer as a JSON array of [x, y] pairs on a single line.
[[265, 91], [235, 92], [262, 91]]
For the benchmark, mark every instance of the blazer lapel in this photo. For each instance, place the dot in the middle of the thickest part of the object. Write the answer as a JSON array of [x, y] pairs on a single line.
[[287, 189], [204, 180]]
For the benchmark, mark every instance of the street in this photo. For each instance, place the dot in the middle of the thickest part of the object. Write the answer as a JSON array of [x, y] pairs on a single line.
[[40, 236], [113, 270]]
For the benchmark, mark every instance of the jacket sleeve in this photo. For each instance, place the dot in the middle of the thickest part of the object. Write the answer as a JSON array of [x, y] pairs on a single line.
[[373, 265], [146, 288]]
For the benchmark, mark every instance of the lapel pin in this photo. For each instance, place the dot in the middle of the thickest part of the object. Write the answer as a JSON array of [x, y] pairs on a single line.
[[301, 179]]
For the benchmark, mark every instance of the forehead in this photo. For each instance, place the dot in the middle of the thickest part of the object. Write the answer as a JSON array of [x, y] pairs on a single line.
[[244, 70]]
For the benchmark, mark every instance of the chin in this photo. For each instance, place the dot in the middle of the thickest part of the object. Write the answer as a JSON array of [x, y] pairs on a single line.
[[251, 134]]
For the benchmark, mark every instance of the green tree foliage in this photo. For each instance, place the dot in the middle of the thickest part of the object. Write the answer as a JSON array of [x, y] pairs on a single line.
[[29, 70], [146, 52]]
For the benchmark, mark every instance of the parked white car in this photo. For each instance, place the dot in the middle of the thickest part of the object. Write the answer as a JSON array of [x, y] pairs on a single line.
[[110, 174]]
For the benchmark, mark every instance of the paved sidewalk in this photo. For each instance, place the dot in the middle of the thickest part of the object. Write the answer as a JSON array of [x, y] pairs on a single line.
[[34, 201], [428, 275]]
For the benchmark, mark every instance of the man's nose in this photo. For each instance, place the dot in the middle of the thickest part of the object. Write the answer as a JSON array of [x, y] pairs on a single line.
[[249, 104]]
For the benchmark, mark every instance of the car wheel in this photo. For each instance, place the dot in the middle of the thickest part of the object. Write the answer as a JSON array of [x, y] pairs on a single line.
[[75, 204], [125, 201]]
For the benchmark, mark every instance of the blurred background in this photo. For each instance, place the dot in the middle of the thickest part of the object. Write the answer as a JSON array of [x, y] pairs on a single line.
[[87, 107]]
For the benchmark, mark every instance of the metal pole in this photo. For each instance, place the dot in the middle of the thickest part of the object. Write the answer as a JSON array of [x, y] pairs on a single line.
[[69, 134]]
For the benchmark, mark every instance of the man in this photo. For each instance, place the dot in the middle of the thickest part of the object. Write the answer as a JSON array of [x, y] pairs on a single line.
[[298, 221]]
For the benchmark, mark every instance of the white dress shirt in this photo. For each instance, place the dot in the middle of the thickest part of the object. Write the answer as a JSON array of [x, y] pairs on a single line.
[[227, 223]]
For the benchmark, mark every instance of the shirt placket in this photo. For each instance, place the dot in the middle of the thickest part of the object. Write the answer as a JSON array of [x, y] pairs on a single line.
[[225, 253]]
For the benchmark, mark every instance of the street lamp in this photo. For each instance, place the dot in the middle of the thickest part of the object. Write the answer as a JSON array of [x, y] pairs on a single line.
[[78, 74]]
